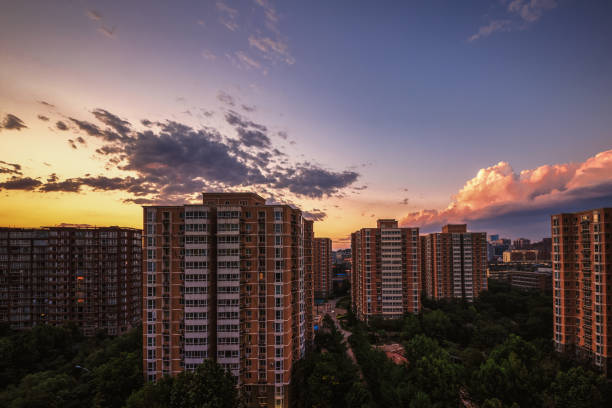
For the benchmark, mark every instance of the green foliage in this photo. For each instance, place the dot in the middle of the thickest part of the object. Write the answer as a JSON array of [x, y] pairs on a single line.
[[57, 366], [577, 388]]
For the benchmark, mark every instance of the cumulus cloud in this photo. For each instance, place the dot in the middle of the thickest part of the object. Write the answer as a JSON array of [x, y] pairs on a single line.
[[498, 191], [12, 122]]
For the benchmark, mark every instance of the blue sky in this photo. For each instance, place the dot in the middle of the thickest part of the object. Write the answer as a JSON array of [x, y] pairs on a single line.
[[409, 99]]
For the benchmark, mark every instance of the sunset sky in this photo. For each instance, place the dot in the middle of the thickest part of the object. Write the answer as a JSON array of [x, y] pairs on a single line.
[[496, 113]]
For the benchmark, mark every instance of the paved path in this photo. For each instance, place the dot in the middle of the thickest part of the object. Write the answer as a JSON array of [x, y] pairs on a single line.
[[345, 333]]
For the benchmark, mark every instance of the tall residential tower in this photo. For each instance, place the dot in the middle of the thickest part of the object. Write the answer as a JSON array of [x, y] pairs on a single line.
[[385, 280], [225, 280], [582, 274], [454, 263]]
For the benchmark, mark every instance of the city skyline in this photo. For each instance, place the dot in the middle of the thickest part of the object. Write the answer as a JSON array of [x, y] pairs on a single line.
[[494, 114]]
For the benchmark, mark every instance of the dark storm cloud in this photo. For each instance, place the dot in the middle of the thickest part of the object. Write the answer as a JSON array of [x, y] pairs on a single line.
[[12, 122], [146, 122], [43, 118], [61, 125], [20, 183], [121, 126], [313, 181], [315, 214], [10, 168]]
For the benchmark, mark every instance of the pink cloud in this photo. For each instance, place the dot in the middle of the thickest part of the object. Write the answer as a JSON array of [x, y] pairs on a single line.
[[499, 190]]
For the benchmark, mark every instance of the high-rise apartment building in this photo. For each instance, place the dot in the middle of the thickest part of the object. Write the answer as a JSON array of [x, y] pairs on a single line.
[[225, 280], [309, 280], [582, 273], [454, 263], [322, 267], [59, 275], [385, 280]]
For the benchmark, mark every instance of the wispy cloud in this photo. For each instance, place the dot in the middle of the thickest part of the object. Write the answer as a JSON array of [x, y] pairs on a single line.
[[109, 32], [209, 55], [94, 15], [228, 16], [275, 50], [519, 14], [492, 27]]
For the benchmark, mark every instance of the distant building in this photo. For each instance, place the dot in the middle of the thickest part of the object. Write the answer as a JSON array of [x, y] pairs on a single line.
[[496, 248], [454, 263], [521, 255], [582, 266], [493, 237], [521, 243], [85, 275], [540, 279], [385, 276], [322, 267]]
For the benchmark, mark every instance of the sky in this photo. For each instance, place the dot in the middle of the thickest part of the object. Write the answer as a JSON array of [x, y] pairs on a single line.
[[495, 113]]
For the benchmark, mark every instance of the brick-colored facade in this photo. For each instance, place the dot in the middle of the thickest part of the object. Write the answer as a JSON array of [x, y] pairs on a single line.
[[454, 263], [226, 280], [322, 267], [56, 275], [582, 267], [386, 273], [309, 280]]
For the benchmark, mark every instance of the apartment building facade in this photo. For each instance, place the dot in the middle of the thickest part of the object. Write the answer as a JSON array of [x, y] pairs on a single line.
[[454, 263], [309, 280], [582, 267], [226, 280], [89, 276], [322, 267], [385, 279]]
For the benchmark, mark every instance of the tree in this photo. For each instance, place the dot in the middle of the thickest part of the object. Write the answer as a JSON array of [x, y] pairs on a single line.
[[577, 388]]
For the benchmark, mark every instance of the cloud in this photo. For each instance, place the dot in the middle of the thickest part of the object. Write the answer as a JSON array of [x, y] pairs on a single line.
[[249, 108], [46, 104], [315, 214], [170, 162], [228, 16], [108, 32], [492, 27], [531, 10], [521, 13], [10, 168], [404, 201], [498, 192], [283, 135], [254, 138], [119, 125], [242, 60], [61, 125], [226, 98], [20, 183], [43, 118], [272, 49], [313, 181], [94, 15], [235, 119], [209, 55], [12, 122]]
